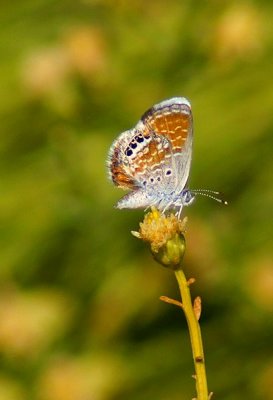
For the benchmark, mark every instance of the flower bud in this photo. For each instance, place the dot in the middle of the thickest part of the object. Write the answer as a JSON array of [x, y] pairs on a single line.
[[165, 235]]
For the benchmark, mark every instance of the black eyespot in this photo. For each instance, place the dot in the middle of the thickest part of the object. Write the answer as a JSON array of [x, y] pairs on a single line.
[[158, 178], [139, 138], [144, 183], [133, 145], [168, 172], [128, 152], [152, 180]]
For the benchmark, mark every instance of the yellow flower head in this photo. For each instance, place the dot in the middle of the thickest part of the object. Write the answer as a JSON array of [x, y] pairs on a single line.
[[165, 235]]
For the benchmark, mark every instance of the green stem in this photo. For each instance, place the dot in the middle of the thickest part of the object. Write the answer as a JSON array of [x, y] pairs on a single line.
[[195, 336]]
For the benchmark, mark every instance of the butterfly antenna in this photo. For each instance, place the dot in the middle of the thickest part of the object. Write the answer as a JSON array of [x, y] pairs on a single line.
[[210, 194]]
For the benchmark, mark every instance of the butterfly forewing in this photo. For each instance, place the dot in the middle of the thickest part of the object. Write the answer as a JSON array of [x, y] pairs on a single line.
[[172, 119]]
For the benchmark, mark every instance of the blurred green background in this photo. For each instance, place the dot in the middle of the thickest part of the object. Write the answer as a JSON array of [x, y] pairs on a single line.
[[80, 317]]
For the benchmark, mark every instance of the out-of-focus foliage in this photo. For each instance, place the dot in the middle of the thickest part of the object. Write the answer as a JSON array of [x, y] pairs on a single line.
[[79, 311]]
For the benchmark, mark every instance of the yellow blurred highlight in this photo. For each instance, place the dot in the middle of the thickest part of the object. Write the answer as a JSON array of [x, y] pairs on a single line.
[[45, 70], [259, 281], [239, 33], [90, 377], [264, 382], [11, 389], [86, 49], [82, 50], [30, 321]]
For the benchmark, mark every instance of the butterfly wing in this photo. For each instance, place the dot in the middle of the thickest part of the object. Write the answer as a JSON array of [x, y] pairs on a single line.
[[172, 119], [132, 159], [137, 156]]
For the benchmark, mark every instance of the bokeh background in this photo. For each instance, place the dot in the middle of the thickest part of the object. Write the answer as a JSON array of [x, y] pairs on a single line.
[[80, 316]]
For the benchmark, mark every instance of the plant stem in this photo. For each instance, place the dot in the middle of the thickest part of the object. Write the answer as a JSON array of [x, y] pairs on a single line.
[[195, 336]]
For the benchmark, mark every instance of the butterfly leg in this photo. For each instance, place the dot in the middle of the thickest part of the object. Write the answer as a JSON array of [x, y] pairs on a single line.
[[167, 207], [178, 213]]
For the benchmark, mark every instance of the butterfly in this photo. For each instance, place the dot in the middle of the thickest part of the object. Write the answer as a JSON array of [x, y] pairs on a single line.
[[153, 159]]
